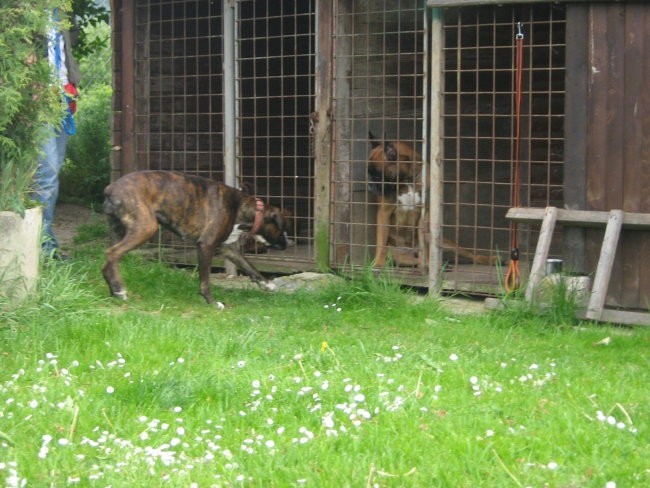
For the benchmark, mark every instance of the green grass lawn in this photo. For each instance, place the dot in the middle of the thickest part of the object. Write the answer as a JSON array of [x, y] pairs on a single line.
[[359, 385]]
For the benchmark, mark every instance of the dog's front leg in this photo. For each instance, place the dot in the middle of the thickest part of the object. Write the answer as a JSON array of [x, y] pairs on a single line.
[[205, 254], [384, 213], [230, 252]]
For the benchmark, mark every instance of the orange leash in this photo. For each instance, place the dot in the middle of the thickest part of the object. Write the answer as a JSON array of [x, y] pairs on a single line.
[[513, 277]]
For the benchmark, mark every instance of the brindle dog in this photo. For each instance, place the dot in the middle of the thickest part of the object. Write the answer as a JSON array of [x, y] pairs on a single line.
[[395, 177], [195, 208]]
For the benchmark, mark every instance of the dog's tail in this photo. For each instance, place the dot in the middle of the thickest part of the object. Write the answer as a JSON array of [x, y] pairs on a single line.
[[108, 207], [110, 210]]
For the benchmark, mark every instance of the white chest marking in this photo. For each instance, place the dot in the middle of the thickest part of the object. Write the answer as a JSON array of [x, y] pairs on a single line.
[[410, 199], [234, 235]]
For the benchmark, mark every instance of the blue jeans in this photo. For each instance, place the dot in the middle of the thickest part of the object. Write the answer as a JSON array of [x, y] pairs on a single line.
[[47, 183]]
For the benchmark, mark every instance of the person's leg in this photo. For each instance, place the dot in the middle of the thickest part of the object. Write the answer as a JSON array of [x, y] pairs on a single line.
[[47, 184]]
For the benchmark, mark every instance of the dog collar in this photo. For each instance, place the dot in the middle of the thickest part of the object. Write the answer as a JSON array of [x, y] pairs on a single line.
[[259, 214]]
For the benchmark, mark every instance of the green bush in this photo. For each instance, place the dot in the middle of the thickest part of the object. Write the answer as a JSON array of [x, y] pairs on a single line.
[[96, 66], [87, 168], [28, 100]]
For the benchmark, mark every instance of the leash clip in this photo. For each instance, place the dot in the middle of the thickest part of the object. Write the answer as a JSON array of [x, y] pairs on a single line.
[[520, 32], [514, 254]]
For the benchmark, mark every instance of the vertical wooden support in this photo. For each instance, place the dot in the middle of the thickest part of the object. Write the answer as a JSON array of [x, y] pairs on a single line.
[[229, 104], [323, 135], [116, 99], [605, 265], [423, 238], [435, 151], [341, 147], [128, 158], [541, 252], [229, 101]]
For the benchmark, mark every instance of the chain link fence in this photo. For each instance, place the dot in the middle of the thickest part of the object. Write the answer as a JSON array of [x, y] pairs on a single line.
[[87, 170], [96, 68], [97, 71]]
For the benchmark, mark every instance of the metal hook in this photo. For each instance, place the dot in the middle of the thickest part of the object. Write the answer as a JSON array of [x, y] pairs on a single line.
[[520, 33]]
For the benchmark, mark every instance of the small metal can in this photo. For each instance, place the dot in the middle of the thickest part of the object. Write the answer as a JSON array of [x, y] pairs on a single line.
[[553, 266]]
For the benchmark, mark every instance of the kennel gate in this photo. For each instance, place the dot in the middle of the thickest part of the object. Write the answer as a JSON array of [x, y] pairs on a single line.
[[182, 90], [452, 100], [360, 66]]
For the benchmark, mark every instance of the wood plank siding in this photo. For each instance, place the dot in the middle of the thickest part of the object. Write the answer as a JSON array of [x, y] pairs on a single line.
[[618, 138], [467, 3]]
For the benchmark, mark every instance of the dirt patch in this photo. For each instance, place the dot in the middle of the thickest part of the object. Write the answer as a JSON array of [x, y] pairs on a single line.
[[67, 218]]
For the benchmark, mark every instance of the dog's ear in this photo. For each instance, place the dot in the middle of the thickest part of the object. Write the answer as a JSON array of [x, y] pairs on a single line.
[[271, 212], [390, 151], [279, 216], [373, 140], [246, 188]]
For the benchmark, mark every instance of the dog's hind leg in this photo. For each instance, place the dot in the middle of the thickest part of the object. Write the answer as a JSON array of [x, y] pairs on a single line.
[[116, 229], [133, 238]]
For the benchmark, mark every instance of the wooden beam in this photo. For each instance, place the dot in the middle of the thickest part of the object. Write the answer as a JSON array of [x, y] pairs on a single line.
[[605, 265], [128, 89], [322, 133], [580, 218], [436, 128], [621, 317], [612, 316]]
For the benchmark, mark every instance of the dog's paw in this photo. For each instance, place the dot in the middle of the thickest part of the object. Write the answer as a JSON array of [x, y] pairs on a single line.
[[121, 295], [219, 305], [268, 286]]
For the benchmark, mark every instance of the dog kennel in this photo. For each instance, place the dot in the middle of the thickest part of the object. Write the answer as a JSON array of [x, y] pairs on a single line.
[[282, 95]]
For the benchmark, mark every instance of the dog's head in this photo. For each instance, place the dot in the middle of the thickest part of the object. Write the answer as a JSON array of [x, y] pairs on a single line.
[[276, 223], [391, 164]]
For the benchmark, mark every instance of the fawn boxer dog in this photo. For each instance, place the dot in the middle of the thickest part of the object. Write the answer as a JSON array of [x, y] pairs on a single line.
[[395, 178], [195, 208]]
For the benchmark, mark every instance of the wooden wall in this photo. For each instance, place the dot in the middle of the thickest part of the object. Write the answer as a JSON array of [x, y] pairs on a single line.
[[116, 105], [617, 149], [122, 128]]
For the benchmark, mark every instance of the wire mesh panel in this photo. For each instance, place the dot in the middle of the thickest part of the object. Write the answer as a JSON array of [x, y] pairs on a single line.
[[275, 85], [378, 100], [179, 93], [479, 130], [179, 62]]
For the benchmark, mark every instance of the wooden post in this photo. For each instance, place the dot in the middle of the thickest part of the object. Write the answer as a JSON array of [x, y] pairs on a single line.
[[322, 137], [128, 150], [229, 105], [229, 94], [435, 151]]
